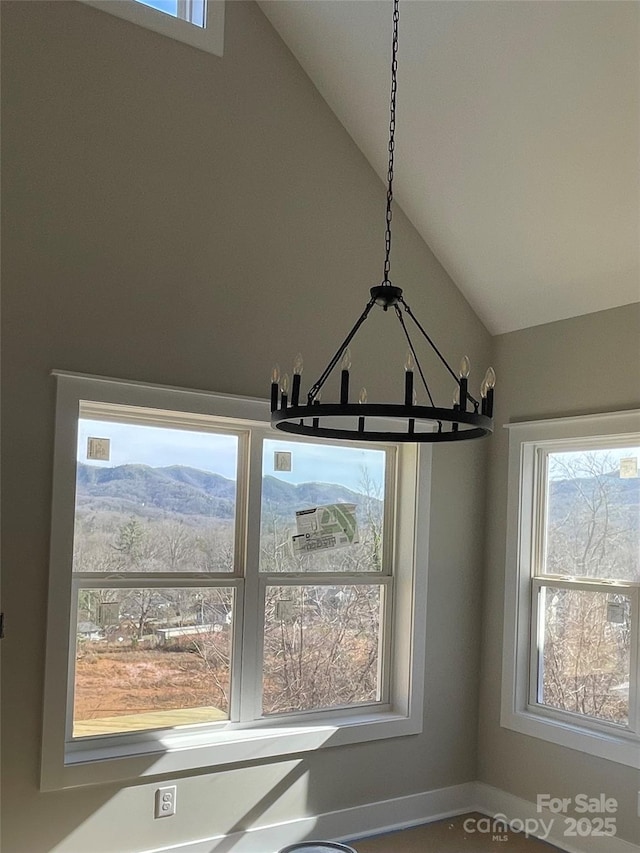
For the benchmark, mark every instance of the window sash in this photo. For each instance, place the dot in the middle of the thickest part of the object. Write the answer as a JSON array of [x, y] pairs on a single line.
[[259, 435], [628, 589], [542, 452], [167, 419], [150, 581]]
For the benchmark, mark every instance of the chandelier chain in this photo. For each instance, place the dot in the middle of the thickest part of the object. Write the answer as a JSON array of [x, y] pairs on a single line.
[[392, 143], [346, 420]]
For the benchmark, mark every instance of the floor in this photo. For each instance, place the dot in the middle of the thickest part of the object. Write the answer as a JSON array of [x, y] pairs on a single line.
[[470, 833]]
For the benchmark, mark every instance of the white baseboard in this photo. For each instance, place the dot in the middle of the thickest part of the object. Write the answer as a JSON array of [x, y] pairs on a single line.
[[401, 813], [492, 801], [358, 822]]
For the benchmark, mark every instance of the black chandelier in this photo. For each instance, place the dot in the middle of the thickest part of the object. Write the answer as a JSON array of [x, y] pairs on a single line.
[[467, 418]]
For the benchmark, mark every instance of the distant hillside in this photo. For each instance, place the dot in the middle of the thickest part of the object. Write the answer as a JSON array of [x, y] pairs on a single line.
[[147, 491], [624, 494]]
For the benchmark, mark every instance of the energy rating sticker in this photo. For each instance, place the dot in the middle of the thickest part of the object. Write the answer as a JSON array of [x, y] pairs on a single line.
[[325, 528]]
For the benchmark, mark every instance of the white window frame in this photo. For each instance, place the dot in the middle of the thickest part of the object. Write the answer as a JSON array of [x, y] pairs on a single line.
[[169, 751], [209, 38], [529, 443]]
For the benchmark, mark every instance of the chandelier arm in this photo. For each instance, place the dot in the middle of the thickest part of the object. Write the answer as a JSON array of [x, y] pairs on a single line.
[[470, 397], [314, 390], [413, 353]]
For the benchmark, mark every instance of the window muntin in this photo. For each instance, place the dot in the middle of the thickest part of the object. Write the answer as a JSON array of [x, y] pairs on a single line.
[[571, 670]]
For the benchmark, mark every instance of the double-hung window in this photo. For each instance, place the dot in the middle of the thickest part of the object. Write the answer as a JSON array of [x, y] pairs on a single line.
[[572, 625], [219, 593]]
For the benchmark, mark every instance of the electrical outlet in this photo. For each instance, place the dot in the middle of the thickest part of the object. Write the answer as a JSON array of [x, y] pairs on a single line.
[[165, 801]]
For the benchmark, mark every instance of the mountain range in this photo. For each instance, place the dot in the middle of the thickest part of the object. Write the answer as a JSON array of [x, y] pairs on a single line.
[[177, 489], [181, 490]]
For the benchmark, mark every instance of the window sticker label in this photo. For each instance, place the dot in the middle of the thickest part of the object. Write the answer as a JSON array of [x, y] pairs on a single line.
[[326, 527], [284, 610], [282, 460], [629, 467], [99, 448], [615, 612]]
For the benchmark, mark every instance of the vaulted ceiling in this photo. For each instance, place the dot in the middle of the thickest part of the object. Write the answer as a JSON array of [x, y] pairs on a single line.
[[518, 138]]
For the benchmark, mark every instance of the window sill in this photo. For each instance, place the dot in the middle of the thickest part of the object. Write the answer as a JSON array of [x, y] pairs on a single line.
[[168, 753], [209, 38], [621, 747]]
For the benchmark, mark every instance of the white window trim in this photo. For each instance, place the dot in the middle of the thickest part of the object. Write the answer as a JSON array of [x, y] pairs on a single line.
[[209, 38], [517, 713], [169, 752]]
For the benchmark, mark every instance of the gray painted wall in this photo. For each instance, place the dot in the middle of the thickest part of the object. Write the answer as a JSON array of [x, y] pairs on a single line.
[[174, 217], [581, 366]]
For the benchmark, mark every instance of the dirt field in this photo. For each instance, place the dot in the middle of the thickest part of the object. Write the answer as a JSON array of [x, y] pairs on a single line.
[[123, 681]]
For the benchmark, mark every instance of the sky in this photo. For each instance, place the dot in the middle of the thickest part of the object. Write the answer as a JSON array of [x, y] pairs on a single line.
[[162, 446], [609, 458], [168, 6]]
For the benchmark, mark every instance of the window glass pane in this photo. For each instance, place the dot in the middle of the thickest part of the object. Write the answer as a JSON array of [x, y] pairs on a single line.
[[321, 647], [322, 508], [169, 7], [151, 658], [154, 499], [585, 653], [192, 11], [593, 514]]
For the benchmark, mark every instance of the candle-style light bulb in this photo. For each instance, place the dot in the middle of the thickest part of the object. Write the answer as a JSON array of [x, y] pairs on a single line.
[[483, 388], [456, 404], [463, 373], [362, 399], [295, 388], [344, 377], [490, 378], [284, 387], [275, 387], [409, 364], [489, 382], [411, 426]]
